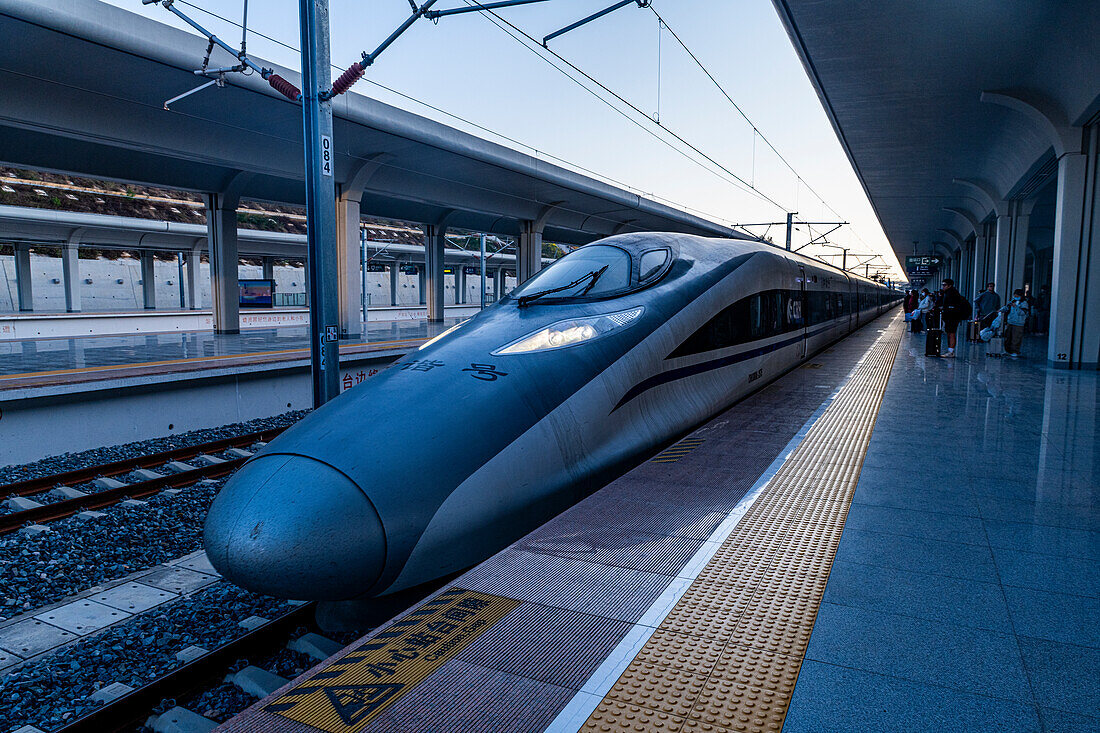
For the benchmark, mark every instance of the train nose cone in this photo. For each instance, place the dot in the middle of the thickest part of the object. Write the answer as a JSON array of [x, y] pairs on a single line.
[[293, 527]]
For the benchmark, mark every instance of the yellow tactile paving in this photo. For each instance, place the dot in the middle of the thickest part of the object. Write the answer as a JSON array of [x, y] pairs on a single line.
[[726, 658], [612, 716], [694, 654], [670, 691]]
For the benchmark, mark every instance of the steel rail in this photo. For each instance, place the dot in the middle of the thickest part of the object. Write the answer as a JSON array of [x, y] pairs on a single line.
[[134, 706], [68, 507], [83, 475]]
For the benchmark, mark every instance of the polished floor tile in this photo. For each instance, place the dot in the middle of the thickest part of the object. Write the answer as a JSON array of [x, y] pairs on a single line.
[[1064, 676], [831, 699], [1067, 575], [1054, 616], [953, 559], [920, 595], [945, 654], [917, 522]]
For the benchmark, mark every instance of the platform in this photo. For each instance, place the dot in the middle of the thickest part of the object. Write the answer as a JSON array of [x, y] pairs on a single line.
[[876, 541], [59, 395], [45, 361]]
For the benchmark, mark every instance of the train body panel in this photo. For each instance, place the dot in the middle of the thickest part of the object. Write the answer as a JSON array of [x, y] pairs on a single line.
[[494, 428]]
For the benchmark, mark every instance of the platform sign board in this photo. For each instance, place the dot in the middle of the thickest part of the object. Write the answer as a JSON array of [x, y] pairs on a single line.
[[345, 696], [256, 293], [922, 264], [372, 267], [410, 270]]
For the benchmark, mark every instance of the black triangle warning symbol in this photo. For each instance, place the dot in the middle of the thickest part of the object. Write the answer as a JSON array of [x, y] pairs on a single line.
[[355, 702]]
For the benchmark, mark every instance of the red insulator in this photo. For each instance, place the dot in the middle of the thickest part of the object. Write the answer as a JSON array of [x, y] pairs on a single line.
[[349, 77], [284, 87]]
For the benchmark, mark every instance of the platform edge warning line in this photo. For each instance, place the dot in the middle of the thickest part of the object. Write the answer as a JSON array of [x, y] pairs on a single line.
[[348, 694], [792, 532]]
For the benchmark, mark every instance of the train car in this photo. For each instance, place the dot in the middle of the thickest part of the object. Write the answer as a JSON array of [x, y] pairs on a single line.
[[514, 415]]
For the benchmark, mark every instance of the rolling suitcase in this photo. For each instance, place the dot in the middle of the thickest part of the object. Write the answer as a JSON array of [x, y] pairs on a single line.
[[973, 330], [932, 342], [996, 346]]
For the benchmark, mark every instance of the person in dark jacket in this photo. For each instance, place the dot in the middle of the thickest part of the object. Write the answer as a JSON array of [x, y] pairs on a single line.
[[988, 303], [956, 309], [910, 305]]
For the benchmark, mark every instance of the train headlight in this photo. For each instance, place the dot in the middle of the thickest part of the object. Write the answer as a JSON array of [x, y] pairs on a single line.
[[570, 332]]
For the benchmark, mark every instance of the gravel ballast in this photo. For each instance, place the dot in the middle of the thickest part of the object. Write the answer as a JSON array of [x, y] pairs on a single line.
[[108, 454], [75, 555], [54, 690]]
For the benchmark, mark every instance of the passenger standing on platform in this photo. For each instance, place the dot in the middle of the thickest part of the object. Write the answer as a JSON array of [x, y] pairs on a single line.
[[910, 306], [956, 309], [1016, 313], [987, 304], [926, 305]]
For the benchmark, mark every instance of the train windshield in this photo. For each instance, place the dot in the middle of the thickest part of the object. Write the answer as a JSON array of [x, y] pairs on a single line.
[[593, 271]]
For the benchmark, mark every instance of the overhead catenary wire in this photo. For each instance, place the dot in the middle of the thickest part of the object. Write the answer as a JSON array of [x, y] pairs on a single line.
[[537, 48], [800, 181], [538, 152], [740, 111]]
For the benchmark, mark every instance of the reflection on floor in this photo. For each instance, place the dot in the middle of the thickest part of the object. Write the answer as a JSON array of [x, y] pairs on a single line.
[[965, 594]]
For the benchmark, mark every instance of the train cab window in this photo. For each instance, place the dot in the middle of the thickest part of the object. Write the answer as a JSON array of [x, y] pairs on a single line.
[[591, 271], [652, 263]]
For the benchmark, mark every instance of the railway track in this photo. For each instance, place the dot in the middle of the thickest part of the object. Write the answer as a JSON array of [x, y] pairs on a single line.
[[154, 704], [180, 473]]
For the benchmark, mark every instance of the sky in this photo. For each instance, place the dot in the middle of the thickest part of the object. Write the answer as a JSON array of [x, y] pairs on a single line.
[[477, 78]]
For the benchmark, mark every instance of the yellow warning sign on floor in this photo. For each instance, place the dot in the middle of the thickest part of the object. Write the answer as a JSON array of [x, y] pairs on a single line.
[[345, 696]]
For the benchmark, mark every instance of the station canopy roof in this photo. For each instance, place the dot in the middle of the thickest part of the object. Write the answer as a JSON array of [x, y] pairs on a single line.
[[923, 94]]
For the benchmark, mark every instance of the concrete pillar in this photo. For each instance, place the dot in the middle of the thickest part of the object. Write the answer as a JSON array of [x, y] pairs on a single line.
[[23, 288], [1018, 254], [395, 270], [434, 239], [148, 280], [349, 283], [192, 260], [269, 268], [498, 284], [460, 284], [963, 282], [422, 283], [1002, 252], [221, 232], [528, 251], [70, 275], [1075, 299], [977, 264]]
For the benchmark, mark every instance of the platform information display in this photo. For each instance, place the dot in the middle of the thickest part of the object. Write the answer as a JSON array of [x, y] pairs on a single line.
[[257, 293], [922, 264]]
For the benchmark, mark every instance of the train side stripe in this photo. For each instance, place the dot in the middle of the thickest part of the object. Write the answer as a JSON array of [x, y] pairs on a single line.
[[673, 375]]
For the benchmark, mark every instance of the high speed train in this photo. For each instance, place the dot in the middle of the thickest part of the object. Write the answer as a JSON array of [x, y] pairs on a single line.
[[504, 421]]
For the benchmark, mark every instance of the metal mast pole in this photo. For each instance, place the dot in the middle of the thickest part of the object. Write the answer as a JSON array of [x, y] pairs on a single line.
[[482, 272], [320, 199], [363, 275], [179, 266], [790, 226]]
